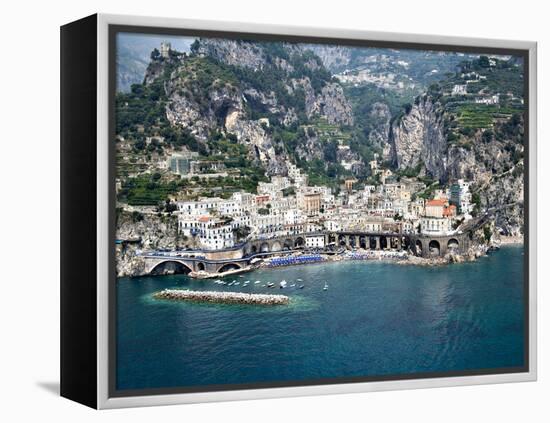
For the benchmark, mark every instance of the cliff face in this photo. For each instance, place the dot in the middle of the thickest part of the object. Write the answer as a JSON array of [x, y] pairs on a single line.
[[418, 139], [205, 95], [493, 162], [155, 232], [379, 128], [335, 58], [238, 53]]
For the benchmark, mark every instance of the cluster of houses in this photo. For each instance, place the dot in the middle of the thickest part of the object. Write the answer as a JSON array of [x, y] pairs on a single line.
[[288, 205], [187, 164]]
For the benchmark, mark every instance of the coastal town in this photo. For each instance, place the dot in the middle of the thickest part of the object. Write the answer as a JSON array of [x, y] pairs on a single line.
[[256, 171], [302, 215], [288, 205]]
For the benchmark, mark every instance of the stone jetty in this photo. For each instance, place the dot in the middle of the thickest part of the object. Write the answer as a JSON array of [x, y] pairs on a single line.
[[221, 297]]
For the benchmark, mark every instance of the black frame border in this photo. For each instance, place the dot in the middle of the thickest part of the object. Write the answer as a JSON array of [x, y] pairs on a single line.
[[114, 29], [78, 225]]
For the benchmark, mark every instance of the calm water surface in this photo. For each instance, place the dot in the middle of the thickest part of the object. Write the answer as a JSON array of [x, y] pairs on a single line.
[[375, 319]]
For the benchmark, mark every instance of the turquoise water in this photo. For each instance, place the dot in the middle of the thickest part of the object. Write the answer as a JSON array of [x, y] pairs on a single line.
[[376, 319]]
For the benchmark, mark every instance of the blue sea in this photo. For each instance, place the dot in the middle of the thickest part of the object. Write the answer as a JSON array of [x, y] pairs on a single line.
[[375, 319]]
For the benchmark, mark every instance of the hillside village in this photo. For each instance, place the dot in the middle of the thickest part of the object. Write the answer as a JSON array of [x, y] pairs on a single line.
[[221, 195]]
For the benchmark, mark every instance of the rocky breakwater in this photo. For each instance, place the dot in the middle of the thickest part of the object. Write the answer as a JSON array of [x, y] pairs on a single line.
[[221, 297]]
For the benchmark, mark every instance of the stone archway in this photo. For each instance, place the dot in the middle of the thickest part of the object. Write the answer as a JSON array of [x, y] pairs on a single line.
[[418, 247], [288, 244], [300, 242], [341, 240], [228, 266], [264, 247], [276, 246], [434, 247], [453, 244], [170, 267], [201, 266], [372, 243]]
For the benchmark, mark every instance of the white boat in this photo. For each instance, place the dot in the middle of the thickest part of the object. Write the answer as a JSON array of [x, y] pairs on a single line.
[[325, 287], [257, 282], [293, 285], [282, 284], [299, 280]]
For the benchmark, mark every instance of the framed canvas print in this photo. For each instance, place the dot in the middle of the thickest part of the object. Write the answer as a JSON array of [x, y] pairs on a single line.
[[254, 211]]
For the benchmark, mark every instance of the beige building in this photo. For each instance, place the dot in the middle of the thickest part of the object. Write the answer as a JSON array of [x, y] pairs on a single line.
[[310, 203]]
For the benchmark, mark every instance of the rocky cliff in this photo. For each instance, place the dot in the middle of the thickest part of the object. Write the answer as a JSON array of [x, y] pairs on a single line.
[[219, 88], [417, 138], [154, 231], [491, 158]]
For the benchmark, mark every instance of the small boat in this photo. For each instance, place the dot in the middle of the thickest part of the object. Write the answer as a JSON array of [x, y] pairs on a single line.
[[282, 284], [270, 285], [293, 285], [325, 287], [257, 282], [301, 286], [241, 276], [234, 280], [230, 284], [237, 283], [246, 281], [299, 280]]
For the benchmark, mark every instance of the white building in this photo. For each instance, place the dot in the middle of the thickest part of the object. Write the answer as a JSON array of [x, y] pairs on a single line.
[[204, 206], [212, 233], [460, 89], [494, 99], [180, 163], [267, 225], [315, 241], [435, 225]]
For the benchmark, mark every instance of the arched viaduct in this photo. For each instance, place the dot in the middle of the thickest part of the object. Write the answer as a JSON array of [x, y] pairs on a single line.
[[420, 245], [165, 265]]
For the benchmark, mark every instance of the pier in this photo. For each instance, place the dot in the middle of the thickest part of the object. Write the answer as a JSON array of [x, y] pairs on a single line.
[[221, 297]]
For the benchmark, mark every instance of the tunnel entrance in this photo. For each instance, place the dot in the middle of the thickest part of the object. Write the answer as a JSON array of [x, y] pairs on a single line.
[[434, 247], [170, 268]]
